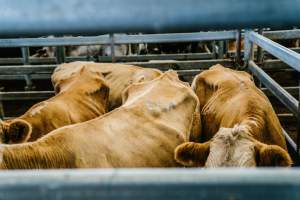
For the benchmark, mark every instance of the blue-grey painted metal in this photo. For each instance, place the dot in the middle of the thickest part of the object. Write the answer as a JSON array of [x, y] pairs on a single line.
[[152, 184], [248, 52], [57, 41], [286, 98], [132, 58], [282, 34], [290, 141], [35, 17], [25, 55], [286, 55], [118, 39], [175, 37]]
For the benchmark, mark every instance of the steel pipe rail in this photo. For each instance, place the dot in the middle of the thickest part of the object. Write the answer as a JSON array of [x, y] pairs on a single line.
[[282, 34], [129, 58], [175, 37], [30, 95], [111, 16], [162, 65], [167, 184], [290, 142], [286, 98], [286, 55], [26, 95], [118, 39]]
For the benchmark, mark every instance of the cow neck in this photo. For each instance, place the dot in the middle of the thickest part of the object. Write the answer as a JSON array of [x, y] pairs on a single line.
[[35, 155], [156, 109]]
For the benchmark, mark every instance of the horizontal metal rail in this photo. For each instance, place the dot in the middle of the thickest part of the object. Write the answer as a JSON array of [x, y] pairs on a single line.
[[56, 41], [293, 90], [26, 95], [275, 64], [175, 37], [286, 55], [129, 58], [286, 98], [118, 39], [282, 34], [131, 16], [38, 76], [30, 95], [162, 65], [150, 184]]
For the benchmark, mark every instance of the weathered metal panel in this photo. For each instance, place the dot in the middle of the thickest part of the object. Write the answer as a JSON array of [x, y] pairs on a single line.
[[35, 17], [152, 184]]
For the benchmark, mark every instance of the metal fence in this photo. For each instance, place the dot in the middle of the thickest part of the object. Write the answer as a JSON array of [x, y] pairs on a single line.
[[30, 70], [109, 16], [287, 56], [34, 17], [152, 184], [116, 39]]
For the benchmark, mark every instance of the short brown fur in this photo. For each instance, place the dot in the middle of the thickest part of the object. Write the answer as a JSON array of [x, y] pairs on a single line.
[[82, 96], [156, 117], [228, 98]]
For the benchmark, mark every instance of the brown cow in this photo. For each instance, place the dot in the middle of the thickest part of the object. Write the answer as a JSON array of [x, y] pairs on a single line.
[[83, 95], [117, 76], [239, 124], [156, 116]]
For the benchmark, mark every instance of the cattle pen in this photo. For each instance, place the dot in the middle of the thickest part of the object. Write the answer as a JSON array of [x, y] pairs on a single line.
[[23, 81]]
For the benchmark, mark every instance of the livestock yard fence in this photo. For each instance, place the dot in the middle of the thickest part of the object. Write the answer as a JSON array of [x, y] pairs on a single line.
[[164, 21]]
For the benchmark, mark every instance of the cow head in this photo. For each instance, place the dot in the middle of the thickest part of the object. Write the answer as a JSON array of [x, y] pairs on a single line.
[[83, 73], [140, 79], [231, 147], [145, 75], [45, 52], [14, 131]]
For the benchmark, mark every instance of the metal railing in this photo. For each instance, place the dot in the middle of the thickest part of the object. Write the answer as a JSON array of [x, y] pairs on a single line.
[[287, 56], [152, 184], [29, 72], [116, 39], [131, 16]]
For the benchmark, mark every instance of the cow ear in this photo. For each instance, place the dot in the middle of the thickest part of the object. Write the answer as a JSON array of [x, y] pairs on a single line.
[[18, 131], [192, 154], [272, 156]]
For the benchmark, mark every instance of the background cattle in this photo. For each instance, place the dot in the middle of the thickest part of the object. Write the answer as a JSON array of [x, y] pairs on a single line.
[[239, 124], [89, 51], [156, 117], [117, 76], [81, 96]]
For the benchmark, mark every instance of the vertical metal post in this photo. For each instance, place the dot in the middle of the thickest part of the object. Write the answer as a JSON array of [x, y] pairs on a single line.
[[248, 52], [60, 54], [220, 49], [112, 47], [129, 49], [214, 49], [25, 60], [238, 48], [260, 52], [29, 85], [25, 55], [226, 46]]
